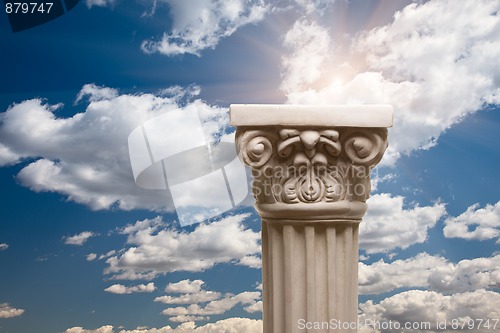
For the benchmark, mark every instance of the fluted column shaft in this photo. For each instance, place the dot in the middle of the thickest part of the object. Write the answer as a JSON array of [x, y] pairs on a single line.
[[310, 274], [311, 167]]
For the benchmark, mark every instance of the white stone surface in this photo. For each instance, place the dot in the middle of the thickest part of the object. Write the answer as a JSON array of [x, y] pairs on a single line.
[[311, 115]]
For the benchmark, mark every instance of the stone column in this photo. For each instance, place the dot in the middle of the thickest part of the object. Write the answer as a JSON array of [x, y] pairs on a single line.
[[311, 167]]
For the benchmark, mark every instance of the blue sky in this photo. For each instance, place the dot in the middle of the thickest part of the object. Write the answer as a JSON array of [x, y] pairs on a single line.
[[84, 250]]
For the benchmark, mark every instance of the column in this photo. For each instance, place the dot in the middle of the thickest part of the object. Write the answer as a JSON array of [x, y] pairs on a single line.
[[311, 169]]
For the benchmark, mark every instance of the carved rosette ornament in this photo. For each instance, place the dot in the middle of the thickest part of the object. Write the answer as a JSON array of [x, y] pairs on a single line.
[[311, 168], [304, 165]]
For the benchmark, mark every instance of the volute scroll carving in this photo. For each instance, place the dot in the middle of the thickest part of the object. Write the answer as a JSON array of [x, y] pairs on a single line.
[[310, 165]]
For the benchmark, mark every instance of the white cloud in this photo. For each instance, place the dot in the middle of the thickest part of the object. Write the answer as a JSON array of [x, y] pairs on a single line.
[[99, 3], [252, 308], [426, 271], [79, 239], [310, 46], [121, 289], [185, 286], [191, 298], [251, 261], [96, 93], [215, 307], [433, 68], [199, 25], [382, 277], [7, 311], [85, 157], [155, 249], [7, 155], [467, 275], [4, 246], [192, 293], [107, 254], [186, 318], [388, 225], [302, 79], [230, 325], [216, 303], [91, 256], [103, 329], [416, 306], [475, 223]]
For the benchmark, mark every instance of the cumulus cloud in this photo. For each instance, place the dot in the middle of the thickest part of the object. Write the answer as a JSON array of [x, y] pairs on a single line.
[[230, 325], [195, 296], [426, 271], [85, 157], [154, 249], [103, 329], [7, 311], [309, 46], [388, 225], [417, 306], [433, 68], [255, 307], [192, 293], [91, 256], [191, 298], [467, 275], [201, 25], [4, 246], [121, 289], [215, 307], [251, 261], [475, 223], [381, 277], [185, 286], [96, 93], [78, 239]]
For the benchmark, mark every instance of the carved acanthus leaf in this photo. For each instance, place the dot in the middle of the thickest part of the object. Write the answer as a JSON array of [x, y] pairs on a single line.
[[293, 165]]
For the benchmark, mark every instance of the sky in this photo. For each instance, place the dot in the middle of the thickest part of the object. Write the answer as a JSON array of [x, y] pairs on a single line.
[[85, 249]]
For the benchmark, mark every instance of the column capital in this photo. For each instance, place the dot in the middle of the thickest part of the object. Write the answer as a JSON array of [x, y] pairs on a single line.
[[311, 163]]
